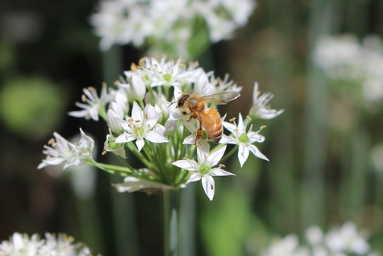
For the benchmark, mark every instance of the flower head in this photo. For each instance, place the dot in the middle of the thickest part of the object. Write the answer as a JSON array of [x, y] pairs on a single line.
[[244, 139], [60, 244], [145, 118], [120, 22], [203, 169]]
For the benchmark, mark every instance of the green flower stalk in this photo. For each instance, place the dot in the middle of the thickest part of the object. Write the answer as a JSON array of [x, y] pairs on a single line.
[[144, 118]]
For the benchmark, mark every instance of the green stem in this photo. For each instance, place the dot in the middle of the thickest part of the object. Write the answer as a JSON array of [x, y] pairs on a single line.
[[231, 152], [110, 168], [171, 217]]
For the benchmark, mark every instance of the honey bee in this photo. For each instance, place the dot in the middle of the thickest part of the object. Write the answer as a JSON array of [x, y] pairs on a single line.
[[195, 107]]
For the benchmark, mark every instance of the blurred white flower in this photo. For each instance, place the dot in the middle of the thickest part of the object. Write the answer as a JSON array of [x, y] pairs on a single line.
[[94, 104], [287, 246], [23, 245], [345, 58], [347, 239], [62, 151], [339, 241], [120, 22], [203, 169], [260, 108]]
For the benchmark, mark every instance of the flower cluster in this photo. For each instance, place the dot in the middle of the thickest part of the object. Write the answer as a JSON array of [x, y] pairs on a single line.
[[168, 23], [339, 241], [345, 58], [63, 245], [151, 114]]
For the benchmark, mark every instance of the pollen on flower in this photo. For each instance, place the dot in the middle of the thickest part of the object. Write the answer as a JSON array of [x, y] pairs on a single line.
[[262, 127], [52, 142], [233, 119], [221, 166]]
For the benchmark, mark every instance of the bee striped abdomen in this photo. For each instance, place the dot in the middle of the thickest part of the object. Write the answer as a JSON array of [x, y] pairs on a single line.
[[213, 124]]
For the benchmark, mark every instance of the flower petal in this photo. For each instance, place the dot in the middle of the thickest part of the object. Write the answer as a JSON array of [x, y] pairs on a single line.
[[125, 137], [241, 125], [195, 176], [257, 153], [155, 137], [137, 113], [140, 143], [231, 127], [219, 172], [255, 137], [243, 154], [208, 186], [214, 158], [227, 140], [187, 164]]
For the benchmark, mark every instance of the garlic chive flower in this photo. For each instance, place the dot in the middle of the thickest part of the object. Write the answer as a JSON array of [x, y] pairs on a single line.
[[142, 125], [145, 122], [119, 22], [338, 241], [93, 105], [60, 244], [244, 139], [62, 151], [260, 108], [203, 169]]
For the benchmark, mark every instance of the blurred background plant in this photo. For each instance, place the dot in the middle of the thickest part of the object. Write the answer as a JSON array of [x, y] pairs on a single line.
[[325, 150]]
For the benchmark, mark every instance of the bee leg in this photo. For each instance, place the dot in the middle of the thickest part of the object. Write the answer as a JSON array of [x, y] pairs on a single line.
[[198, 135]]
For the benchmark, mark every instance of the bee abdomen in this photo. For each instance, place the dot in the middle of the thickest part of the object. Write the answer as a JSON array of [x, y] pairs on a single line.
[[213, 125], [216, 135]]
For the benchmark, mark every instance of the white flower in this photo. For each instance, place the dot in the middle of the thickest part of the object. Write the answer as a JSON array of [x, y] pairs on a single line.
[[134, 85], [114, 121], [314, 235], [164, 73], [142, 125], [23, 245], [244, 139], [62, 151], [287, 246], [203, 169], [260, 108], [132, 184], [93, 103], [120, 22], [347, 239]]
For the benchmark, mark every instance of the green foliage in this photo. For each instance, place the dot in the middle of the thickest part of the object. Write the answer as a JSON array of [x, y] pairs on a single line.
[[31, 107]]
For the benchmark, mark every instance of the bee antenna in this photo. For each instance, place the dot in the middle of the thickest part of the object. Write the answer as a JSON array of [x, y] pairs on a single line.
[[171, 104]]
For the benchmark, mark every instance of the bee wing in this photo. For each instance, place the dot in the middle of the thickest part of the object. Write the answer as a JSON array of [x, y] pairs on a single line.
[[222, 98]]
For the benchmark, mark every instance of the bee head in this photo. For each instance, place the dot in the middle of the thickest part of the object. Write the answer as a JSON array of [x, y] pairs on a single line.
[[182, 99]]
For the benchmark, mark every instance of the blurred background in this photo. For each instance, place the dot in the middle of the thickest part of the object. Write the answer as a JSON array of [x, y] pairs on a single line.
[[325, 150]]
